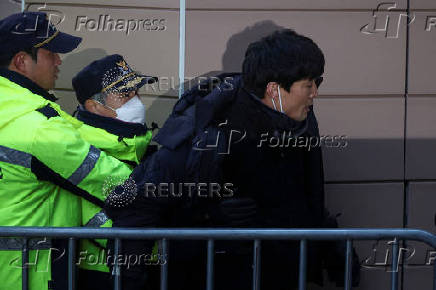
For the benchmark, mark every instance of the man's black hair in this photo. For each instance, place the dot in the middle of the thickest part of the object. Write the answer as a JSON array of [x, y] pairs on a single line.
[[6, 58], [283, 57]]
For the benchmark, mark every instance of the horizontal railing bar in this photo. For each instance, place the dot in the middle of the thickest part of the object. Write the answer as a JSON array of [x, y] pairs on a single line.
[[222, 234]]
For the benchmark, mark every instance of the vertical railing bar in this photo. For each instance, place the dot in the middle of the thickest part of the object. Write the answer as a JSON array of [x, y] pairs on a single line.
[[210, 264], [348, 263], [164, 266], [117, 270], [24, 265], [182, 40], [256, 264], [394, 274], [303, 265], [71, 264], [434, 275]]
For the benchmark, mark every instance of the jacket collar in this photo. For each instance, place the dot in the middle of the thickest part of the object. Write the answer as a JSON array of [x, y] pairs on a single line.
[[197, 109], [24, 82], [275, 120], [111, 125]]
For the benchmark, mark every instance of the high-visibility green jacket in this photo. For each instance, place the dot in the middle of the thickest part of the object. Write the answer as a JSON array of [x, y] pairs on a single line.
[[45, 166], [124, 141]]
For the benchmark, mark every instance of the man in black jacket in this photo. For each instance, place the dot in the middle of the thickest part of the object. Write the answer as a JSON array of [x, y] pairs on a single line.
[[255, 133]]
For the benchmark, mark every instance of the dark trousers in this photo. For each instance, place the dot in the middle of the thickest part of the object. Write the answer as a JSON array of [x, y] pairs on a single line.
[[94, 280]]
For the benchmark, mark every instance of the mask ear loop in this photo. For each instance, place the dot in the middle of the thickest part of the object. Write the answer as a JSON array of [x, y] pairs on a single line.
[[100, 98], [274, 104], [280, 99]]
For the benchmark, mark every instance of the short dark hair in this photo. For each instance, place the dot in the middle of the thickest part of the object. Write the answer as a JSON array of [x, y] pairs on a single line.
[[6, 58], [283, 57]]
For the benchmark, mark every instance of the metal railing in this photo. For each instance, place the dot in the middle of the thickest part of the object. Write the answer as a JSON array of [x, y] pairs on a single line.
[[164, 235]]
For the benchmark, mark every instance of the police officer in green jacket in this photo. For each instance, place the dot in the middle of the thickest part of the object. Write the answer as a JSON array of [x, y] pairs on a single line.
[[46, 166], [114, 119]]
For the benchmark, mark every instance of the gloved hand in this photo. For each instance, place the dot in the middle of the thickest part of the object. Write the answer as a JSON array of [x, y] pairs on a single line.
[[235, 212]]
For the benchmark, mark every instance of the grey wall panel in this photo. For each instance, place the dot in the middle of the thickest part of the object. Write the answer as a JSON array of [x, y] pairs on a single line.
[[116, 3], [421, 215], [8, 7], [369, 205], [373, 128], [422, 4], [283, 4], [422, 199], [67, 100], [417, 277], [356, 62], [422, 51], [421, 138], [157, 109], [228, 4], [151, 49]]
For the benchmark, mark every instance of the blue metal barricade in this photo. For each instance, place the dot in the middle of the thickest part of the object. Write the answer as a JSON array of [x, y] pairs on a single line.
[[210, 235]]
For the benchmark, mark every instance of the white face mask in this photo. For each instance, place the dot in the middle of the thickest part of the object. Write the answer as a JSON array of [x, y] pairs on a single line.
[[280, 100], [132, 111]]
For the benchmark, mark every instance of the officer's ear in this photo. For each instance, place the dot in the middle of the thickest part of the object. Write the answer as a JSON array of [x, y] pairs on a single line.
[[91, 106], [99, 109], [20, 63], [131, 94]]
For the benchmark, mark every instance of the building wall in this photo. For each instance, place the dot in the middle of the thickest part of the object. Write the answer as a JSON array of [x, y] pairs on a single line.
[[379, 90]]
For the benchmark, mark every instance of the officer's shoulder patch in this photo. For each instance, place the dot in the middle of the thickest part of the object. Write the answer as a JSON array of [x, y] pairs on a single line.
[[48, 111]]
